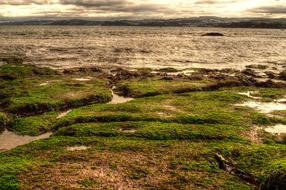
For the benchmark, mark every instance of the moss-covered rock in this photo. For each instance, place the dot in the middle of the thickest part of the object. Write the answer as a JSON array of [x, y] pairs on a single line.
[[156, 86], [20, 71], [27, 89], [34, 125]]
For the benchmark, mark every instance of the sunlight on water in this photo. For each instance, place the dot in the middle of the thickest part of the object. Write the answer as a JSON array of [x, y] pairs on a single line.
[[63, 47]]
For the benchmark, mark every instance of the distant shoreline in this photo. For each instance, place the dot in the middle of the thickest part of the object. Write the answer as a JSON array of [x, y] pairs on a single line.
[[263, 23]]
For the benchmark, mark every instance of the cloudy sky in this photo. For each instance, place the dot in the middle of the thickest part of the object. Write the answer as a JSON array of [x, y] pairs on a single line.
[[142, 8]]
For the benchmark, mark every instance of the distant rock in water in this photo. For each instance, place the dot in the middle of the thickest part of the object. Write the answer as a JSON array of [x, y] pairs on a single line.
[[213, 34]]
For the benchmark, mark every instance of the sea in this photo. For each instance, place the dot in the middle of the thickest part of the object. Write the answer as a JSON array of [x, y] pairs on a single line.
[[62, 47]]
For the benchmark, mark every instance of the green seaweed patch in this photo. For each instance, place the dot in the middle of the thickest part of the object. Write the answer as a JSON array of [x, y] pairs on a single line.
[[276, 176], [33, 90], [211, 107], [161, 164], [269, 94], [9, 168], [88, 182], [34, 125], [59, 96], [20, 71], [259, 160], [152, 131], [155, 86]]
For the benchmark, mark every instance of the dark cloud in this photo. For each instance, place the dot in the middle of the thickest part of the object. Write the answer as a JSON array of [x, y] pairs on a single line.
[[141, 8], [116, 6]]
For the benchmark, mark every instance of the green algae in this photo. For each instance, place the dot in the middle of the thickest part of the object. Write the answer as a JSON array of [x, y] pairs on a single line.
[[166, 139]]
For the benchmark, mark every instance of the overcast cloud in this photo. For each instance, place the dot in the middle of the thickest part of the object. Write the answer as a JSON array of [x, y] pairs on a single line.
[[143, 8]]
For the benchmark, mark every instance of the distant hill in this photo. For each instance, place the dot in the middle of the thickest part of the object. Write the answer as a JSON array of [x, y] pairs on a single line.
[[192, 22]]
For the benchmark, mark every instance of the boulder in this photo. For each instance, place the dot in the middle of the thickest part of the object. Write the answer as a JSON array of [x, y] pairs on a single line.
[[213, 34]]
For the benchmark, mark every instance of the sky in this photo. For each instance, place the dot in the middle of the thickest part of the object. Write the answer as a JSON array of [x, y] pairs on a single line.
[[138, 9]]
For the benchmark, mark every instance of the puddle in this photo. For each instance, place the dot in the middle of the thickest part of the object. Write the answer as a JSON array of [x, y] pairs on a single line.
[[282, 100], [77, 148], [126, 130], [277, 129], [264, 107], [116, 99], [61, 115], [9, 140], [186, 72], [82, 79], [249, 94], [44, 84]]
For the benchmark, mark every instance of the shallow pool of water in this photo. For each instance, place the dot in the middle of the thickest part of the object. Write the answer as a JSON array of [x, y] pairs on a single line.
[[116, 99], [249, 94], [9, 140], [63, 114], [82, 79], [77, 148], [264, 107], [277, 129]]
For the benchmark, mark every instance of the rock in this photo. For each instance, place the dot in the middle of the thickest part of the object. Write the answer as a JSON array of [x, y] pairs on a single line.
[[260, 67], [282, 75], [167, 78], [250, 72], [271, 84], [168, 70], [223, 163], [196, 76], [270, 74], [229, 166], [213, 34], [12, 59]]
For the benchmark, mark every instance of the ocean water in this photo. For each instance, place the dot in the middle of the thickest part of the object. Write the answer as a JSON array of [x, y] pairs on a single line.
[[139, 47]]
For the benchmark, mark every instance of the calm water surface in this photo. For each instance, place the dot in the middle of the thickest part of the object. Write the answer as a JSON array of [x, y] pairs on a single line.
[[74, 46]]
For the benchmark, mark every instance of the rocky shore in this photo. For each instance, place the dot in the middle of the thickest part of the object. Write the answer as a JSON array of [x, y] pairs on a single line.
[[173, 130]]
